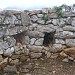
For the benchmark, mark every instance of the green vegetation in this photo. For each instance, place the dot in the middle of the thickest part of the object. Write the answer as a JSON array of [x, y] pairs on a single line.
[[45, 17], [59, 12]]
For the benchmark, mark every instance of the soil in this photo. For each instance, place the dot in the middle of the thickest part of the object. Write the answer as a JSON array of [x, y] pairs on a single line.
[[45, 67]]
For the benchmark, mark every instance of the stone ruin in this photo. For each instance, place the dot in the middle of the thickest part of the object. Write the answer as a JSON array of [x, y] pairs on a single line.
[[25, 34]]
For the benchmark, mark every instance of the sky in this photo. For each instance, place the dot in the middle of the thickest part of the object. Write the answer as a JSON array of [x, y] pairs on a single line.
[[34, 3]]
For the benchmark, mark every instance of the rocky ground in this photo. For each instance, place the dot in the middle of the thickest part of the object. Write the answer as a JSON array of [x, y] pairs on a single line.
[[42, 66]]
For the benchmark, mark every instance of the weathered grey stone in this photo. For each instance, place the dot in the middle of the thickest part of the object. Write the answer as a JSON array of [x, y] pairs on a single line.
[[0, 20], [8, 52], [64, 34], [17, 22], [33, 26], [56, 48], [51, 10], [34, 34], [45, 10], [68, 14], [2, 32], [12, 20], [45, 28], [9, 20], [59, 35], [40, 15], [10, 40], [33, 12], [27, 40], [11, 31], [36, 48], [70, 42], [55, 21], [69, 20], [71, 58], [22, 29], [67, 33], [10, 69], [65, 60], [25, 19], [66, 8], [49, 22], [61, 22], [73, 23], [32, 41], [34, 18], [59, 41], [59, 30], [19, 49], [69, 28], [36, 55], [39, 21], [6, 21], [19, 52], [3, 45], [39, 41], [15, 30], [73, 8], [1, 51]]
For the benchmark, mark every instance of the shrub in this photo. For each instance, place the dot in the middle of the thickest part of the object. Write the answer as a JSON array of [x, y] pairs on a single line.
[[45, 17], [59, 12]]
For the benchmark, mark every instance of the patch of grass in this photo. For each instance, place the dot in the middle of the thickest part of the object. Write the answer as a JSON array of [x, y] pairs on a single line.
[[45, 17], [59, 12]]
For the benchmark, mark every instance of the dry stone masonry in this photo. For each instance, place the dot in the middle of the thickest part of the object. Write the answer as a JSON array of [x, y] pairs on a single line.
[[22, 33]]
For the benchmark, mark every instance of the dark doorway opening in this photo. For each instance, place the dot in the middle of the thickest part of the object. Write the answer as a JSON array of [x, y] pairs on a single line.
[[20, 38], [49, 38]]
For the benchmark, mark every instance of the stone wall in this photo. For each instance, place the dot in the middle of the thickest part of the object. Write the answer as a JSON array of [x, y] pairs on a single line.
[[22, 33], [64, 27]]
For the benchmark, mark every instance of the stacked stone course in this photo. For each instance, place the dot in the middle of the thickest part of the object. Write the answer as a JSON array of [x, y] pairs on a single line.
[[22, 33]]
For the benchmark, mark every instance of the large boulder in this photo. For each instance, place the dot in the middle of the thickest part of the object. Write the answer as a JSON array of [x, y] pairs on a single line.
[[25, 19], [34, 18], [39, 42], [45, 28], [34, 34], [69, 28], [32, 41], [70, 42], [56, 48]]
